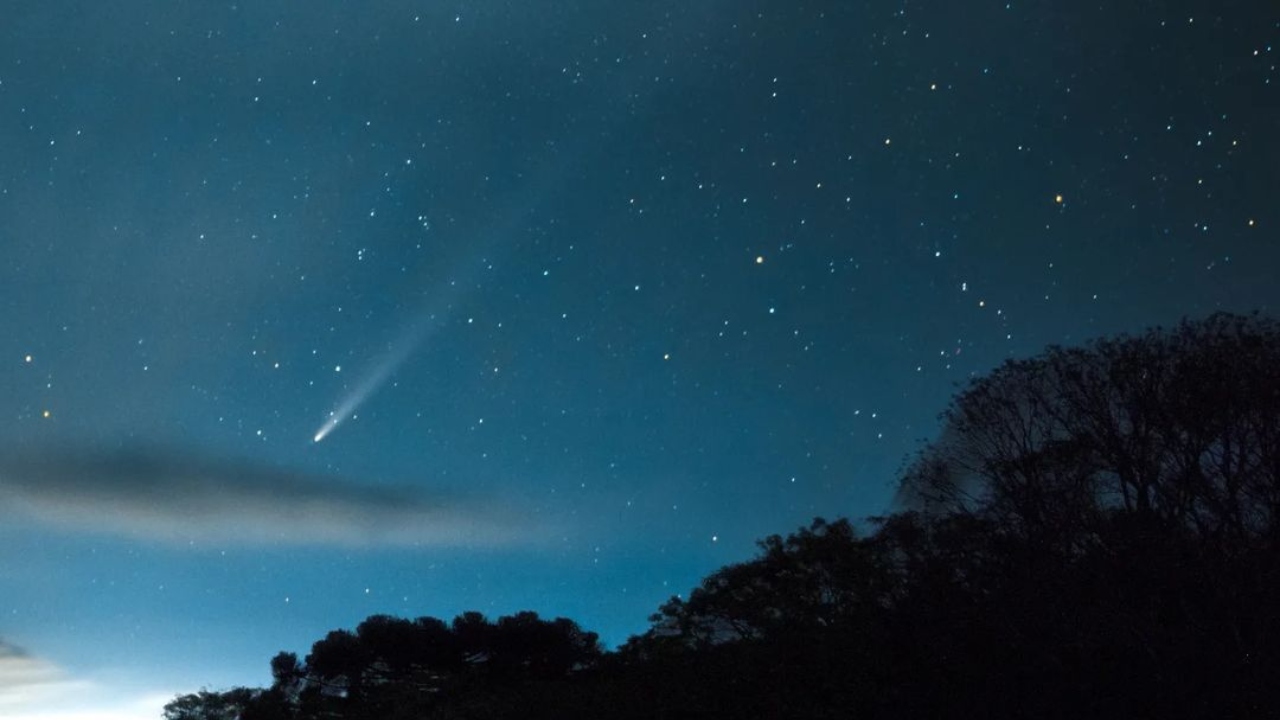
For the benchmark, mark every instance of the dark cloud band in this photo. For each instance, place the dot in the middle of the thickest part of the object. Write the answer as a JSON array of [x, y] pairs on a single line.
[[168, 496]]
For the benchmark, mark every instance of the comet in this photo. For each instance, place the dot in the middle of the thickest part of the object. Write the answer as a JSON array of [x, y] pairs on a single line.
[[450, 286], [375, 379]]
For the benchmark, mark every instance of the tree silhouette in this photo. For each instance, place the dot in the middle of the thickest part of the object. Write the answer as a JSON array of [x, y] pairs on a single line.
[[1095, 533], [812, 581], [207, 705], [1177, 427], [392, 667], [1129, 492]]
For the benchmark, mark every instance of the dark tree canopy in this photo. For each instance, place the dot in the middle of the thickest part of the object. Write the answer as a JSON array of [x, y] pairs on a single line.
[[811, 581], [393, 667], [1096, 533], [1129, 498], [206, 705], [1175, 427]]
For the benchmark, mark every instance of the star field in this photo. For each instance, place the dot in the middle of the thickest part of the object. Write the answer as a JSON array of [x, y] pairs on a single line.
[[314, 313]]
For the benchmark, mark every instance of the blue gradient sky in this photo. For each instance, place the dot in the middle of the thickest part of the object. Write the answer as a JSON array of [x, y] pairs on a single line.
[[623, 288]]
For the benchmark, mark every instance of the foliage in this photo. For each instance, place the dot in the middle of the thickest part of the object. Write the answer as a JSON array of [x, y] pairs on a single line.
[[207, 705], [1176, 427], [391, 667], [811, 581], [1096, 533]]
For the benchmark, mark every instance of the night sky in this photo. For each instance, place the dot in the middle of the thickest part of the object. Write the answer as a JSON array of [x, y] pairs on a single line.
[[311, 311]]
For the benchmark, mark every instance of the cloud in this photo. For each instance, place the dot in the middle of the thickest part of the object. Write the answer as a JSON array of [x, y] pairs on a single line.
[[32, 688], [26, 680], [173, 497]]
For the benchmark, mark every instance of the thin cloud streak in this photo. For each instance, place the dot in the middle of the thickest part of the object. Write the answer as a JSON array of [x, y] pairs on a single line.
[[170, 497], [27, 681], [32, 688]]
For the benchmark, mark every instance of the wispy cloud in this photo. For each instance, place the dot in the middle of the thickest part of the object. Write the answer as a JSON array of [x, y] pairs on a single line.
[[26, 680], [32, 688], [169, 496]]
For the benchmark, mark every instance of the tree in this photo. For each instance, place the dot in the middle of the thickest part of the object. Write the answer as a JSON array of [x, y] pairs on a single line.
[[1129, 493], [526, 645], [207, 705], [814, 580], [393, 667], [1095, 533], [1171, 428]]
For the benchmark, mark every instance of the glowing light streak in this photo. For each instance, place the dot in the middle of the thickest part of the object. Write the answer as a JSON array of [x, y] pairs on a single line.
[[371, 383]]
